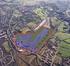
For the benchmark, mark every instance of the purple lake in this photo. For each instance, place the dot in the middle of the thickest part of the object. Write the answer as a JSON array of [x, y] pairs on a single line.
[[25, 42]]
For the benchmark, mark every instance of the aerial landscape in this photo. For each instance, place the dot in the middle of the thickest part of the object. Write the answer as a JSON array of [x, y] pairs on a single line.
[[34, 33]]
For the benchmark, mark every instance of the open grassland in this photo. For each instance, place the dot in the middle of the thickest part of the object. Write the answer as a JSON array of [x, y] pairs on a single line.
[[64, 45], [64, 49]]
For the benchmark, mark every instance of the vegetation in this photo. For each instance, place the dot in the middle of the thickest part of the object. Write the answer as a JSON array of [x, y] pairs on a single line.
[[64, 49], [64, 46], [40, 12]]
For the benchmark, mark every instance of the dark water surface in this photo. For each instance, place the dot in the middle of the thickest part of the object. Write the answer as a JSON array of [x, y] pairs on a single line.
[[25, 42]]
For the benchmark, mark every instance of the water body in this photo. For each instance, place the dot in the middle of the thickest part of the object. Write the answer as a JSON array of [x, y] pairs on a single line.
[[25, 41]]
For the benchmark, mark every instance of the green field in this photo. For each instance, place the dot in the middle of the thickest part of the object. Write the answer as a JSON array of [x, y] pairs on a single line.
[[64, 47]]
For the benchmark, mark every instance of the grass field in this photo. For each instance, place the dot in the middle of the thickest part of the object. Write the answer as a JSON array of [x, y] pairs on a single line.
[[64, 47]]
